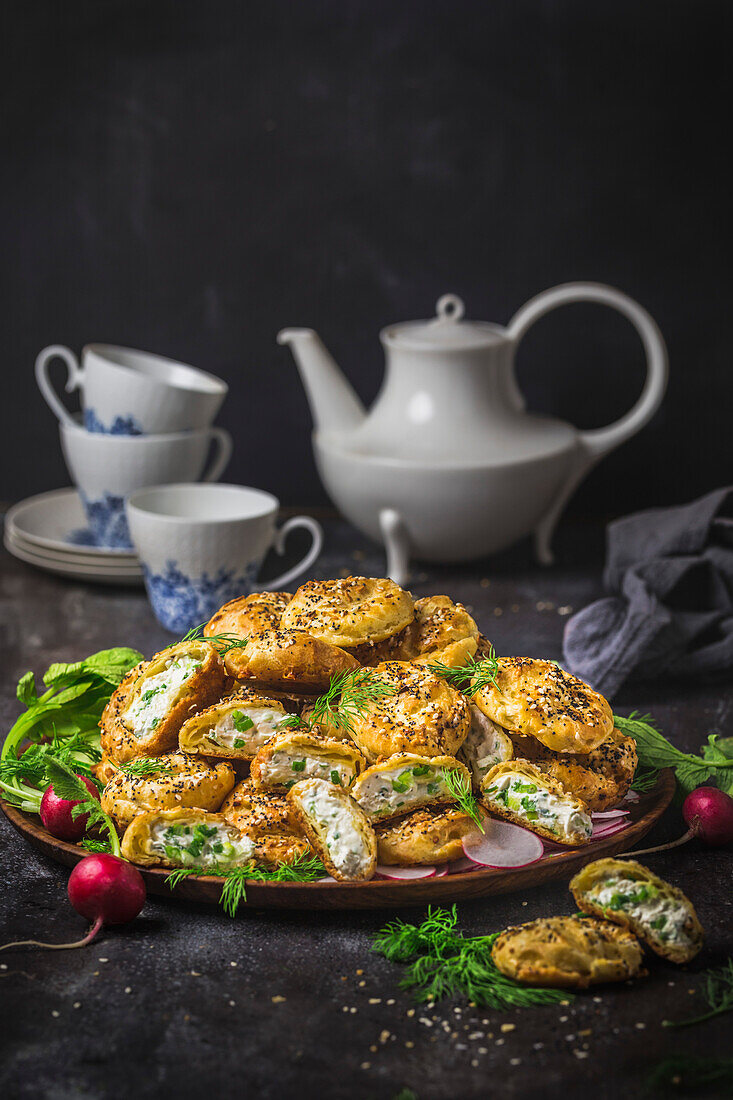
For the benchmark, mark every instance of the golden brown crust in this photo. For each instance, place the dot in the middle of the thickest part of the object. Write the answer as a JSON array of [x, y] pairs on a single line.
[[605, 870], [286, 660], [315, 828], [248, 615], [350, 611], [184, 782], [260, 811], [567, 952], [425, 715], [195, 735], [600, 778], [118, 744], [439, 623], [431, 835], [539, 699], [293, 756], [420, 784], [104, 770], [454, 655], [573, 838]]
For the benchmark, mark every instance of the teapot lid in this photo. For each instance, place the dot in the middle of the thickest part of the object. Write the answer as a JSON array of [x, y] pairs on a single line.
[[446, 331]]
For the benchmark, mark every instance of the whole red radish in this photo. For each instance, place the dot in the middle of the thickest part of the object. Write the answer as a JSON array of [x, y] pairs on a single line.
[[709, 813], [103, 888], [56, 813]]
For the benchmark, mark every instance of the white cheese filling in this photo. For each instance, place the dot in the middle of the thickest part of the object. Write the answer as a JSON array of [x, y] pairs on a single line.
[[663, 917], [387, 791], [288, 766], [159, 693], [246, 728], [486, 745], [538, 806], [201, 845], [334, 821]]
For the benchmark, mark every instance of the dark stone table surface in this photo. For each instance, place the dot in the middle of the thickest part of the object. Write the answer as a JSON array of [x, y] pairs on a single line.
[[186, 1002]]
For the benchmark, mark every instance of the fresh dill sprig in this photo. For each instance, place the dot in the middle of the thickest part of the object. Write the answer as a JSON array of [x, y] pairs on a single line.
[[143, 767], [471, 677], [717, 991], [443, 963], [223, 643], [348, 697], [692, 1075], [234, 890], [645, 779], [92, 844], [460, 788], [66, 784]]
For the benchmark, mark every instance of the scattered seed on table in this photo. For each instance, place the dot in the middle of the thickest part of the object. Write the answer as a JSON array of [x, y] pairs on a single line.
[[510, 1027], [277, 999]]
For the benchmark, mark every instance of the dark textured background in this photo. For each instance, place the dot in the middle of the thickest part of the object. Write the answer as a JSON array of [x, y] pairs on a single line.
[[188, 177]]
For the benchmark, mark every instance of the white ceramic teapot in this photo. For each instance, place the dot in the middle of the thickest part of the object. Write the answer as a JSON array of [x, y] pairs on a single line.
[[448, 465]]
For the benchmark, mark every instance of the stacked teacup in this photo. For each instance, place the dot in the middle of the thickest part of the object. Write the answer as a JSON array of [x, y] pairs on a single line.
[[145, 420]]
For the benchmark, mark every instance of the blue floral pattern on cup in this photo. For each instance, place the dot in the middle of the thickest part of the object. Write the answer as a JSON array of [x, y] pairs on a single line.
[[181, 602], [121, 425], [107, 521]]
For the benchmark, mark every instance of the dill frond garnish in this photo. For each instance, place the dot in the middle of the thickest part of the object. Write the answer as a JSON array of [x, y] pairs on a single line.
[[348, 697], [143, 767], [443, 963], [471, 677], [223, 643], [717, 991], [234, 890], [460, 788]]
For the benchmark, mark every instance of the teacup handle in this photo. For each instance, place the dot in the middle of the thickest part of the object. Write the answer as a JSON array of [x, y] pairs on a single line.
[[222, 453], [279, 544], [74, 379]]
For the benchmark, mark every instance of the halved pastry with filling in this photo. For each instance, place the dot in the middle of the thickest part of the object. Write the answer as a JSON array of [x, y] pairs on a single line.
[[350, 611], [289, 660], [486, 745], [627, 893], [424, 714], [194, 838], [567, 952], [118, 744], [236, 727], [600, 778], [260, 811], [406, 782], [182, 782], [173, 685], [337, 828], [428, 836], [539, 699], [518, 791], [292, 756]]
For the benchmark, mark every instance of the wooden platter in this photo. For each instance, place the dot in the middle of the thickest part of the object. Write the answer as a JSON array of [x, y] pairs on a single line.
[[383, 893]]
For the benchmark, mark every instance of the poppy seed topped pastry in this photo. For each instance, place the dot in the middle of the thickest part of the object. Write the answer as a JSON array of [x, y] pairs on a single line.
[[428, 836], [439, 624], [405, 782], [182, 782], [289, 660], [567, 952], [292, 755], [351, 611], [118, 744], [337, 827], [600, 778], [248, 615], [519, 792], [627, 893], [424, 715], [539, 699], [236, 727], [259, 811]]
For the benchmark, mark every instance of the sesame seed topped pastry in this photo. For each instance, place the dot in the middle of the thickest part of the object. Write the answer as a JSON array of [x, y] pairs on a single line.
[[259, 811], [248, 615], [439, 625], [118, 744], [292, 755], [629, 894], [567, 952], [454, 655], [337, 828], [349, 612], [539, 699], [519, 792], [182, 782], [486, 745], [600, 778], [236, 727], [425, 715], [289, 660], [406, 782], [429, 836]]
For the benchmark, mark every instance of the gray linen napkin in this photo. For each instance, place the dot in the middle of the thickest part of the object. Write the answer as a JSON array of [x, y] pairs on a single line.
[[670, 611]]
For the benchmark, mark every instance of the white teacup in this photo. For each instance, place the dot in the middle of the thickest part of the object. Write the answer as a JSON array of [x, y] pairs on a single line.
[[202, 545], [126, 392], [106, 468]]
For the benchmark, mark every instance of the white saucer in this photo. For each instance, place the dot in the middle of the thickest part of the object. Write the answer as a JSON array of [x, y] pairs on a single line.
[[101, 573], [56, 522]]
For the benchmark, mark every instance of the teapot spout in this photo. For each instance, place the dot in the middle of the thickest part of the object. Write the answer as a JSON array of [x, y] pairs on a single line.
[[334, 404]]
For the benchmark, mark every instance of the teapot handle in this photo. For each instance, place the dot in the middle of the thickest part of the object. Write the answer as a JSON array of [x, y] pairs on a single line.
[[594, 444]]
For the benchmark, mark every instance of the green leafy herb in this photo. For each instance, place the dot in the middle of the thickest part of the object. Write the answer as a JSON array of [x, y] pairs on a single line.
[[691, 1075], [645, 779], [656, 752], [68, 785], [223, 643], [460, 788], [471, 677], [92, 844], [349, 696], [717, 991], [241, 722], [442, 963], [234, 890], [144, 766]]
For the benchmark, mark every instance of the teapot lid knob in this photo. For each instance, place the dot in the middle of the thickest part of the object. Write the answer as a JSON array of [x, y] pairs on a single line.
[[449, 308]]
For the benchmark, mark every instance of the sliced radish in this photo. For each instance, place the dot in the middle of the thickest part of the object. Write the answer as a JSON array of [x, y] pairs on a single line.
[[609, 829], [631, 796], [442, 870], [326, 879], [503, 845], [458, 866], [405, 872], [608, 815]]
